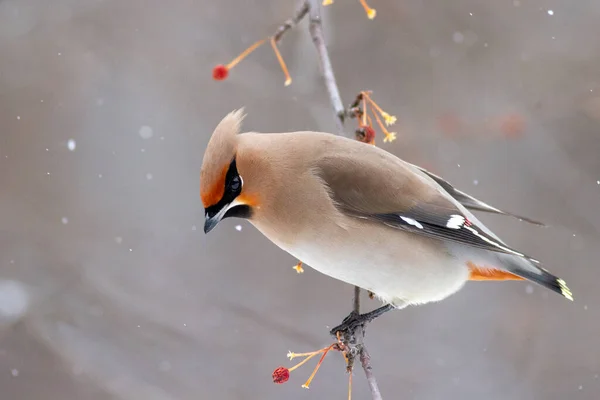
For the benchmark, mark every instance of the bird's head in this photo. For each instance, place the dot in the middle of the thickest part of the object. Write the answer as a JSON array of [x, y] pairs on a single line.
[[223, 190]]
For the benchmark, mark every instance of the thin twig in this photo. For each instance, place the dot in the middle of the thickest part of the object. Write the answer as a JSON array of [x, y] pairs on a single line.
[[316, 31], [313, 8], [365, 360], [300, 13], [356, 300]]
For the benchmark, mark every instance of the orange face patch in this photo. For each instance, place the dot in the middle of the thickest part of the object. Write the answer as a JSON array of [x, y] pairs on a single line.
[[211, 194], [247, 199], [480, 273]]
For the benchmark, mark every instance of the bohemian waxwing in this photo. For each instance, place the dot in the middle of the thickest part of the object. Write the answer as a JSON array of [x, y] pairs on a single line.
[[359, 214]]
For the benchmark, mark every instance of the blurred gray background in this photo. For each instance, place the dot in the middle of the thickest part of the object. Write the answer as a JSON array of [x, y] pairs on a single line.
[[109, 288]]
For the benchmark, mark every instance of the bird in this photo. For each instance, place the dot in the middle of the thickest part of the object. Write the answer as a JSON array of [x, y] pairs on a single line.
[[359, 214]]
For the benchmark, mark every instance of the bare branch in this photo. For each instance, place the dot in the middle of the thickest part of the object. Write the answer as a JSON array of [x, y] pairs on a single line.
[[316, 32], [356, 300], [300, 13], [365, 360]]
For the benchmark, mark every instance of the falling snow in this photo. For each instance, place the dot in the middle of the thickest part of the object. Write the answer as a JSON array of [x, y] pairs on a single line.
[[475, 182], [71, 145], [529, 289], [193, 227], [149, 177], [458, 37], [550, 12], [238, 228], [14, 300], [18, 117], [64, 220], [146, 132], [14, 372]]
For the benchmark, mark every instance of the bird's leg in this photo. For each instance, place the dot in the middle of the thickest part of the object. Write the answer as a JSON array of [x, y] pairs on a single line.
[[355, 320]]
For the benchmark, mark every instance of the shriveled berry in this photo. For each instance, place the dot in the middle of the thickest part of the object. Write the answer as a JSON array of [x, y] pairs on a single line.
[[369, 134], [281, 375]]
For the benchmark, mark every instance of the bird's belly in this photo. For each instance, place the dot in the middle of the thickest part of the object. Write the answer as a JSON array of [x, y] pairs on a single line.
[[417, 273]]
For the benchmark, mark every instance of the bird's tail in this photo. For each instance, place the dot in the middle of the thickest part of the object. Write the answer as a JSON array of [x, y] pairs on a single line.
[[528, 268]]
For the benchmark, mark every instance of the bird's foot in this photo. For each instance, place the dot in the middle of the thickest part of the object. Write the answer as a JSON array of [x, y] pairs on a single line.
[[349, 325], [347, 329]]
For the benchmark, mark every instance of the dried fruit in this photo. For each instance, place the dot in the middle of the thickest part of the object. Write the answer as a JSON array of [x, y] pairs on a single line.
[[281, 375]]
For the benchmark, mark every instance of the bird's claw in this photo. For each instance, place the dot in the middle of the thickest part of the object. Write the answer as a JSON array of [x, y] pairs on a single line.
[[354, 320], [349, 325]]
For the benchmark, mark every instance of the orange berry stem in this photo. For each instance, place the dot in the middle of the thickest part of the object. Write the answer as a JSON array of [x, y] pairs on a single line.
[[371, 12], [373, 103], [311, 355], [383, 129], [350, 386], [310, 378], [244, 53], [288, 78], [365, 111]]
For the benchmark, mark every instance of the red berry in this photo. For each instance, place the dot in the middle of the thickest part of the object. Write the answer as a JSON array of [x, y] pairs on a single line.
[[369, 134], [220, 72], [281, 375]]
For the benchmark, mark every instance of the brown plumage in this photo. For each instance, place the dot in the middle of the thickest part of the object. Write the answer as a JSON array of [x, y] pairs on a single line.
[[358, 213]]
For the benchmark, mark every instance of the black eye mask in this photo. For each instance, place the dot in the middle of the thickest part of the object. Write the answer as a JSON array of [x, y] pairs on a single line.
[[233, 188]]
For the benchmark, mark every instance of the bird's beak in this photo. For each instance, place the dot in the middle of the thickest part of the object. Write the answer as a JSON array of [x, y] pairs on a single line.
[[210, 223], [211, 218], [214, 215]]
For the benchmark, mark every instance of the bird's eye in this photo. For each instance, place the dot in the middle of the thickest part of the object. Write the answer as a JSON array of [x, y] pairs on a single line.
[[235, 184]]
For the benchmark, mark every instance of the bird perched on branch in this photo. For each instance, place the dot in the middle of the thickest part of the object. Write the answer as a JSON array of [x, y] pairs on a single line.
[[359, 214]]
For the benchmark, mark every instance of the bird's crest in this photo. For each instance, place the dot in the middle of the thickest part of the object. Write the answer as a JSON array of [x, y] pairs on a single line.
[[219, 153]]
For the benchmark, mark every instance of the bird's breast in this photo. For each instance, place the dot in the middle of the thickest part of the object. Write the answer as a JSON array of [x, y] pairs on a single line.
[[395, 265]]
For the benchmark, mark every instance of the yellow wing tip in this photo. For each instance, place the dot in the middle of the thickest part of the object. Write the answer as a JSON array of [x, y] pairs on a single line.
[[564, 289]]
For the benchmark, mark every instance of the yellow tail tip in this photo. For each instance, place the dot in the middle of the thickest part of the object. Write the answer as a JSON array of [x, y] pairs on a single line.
[[564, 289]]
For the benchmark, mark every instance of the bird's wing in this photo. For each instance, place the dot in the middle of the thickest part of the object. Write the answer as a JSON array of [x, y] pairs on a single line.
[[471, 202], [367, 182]]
